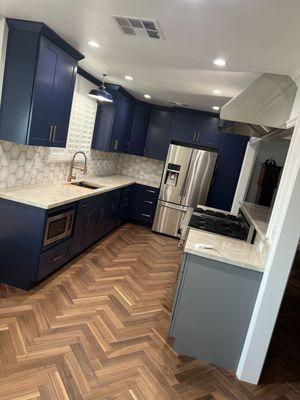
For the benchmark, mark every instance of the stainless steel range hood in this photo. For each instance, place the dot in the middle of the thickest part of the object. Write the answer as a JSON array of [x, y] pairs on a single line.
[[261, 109]]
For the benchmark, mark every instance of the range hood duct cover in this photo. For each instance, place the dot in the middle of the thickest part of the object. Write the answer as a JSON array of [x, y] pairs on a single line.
[[263, 108]]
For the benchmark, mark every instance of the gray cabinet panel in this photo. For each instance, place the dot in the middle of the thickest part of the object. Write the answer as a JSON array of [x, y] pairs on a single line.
[[213, 309]]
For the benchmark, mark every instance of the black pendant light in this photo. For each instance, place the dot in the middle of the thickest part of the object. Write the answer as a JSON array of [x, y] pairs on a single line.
[[101, 94]]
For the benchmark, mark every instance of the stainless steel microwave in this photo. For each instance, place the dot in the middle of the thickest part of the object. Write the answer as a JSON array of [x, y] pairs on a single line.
[[59, 226]]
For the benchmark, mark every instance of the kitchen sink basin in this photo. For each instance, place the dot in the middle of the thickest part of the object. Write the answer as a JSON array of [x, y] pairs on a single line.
[[86, 185]]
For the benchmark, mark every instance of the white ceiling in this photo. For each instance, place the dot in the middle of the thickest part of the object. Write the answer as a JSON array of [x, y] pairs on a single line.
[[254, 36]]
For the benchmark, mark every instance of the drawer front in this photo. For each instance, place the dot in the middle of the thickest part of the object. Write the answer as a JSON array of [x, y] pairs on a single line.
[[148, 209], [150, 193], [54, 258], [146, 217]]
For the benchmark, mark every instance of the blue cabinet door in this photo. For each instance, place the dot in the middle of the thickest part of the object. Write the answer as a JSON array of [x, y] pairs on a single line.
[[38, 86], [185, 128], [231, 155], [121, 124], [52, 97], [196, 130], [209, 134], [123, 213], [111, 132], [222, 193], [138, 134], [158, 135], [62, 97], [103, 126], [230, 159], [41, 119]]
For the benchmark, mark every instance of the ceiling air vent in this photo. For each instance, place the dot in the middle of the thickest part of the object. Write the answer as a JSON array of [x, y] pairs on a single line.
[[139, 27]]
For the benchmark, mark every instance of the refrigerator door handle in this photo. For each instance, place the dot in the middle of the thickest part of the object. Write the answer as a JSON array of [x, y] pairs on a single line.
[[184, 186], [187, 178]]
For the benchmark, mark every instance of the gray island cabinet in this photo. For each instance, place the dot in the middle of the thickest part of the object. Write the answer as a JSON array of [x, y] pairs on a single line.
[[212, 308]]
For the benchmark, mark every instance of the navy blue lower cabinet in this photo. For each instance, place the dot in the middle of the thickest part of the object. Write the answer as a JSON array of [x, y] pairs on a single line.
[[24, 258], [29, 255], [124, 208], [143, 204], [159, 134], [21, 237], [53, 259]]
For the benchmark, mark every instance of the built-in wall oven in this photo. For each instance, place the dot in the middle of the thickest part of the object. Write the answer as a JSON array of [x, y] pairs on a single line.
[[59, 225]]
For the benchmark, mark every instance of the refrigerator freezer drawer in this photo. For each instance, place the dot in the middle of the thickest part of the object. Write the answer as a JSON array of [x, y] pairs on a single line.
[[168, 218]]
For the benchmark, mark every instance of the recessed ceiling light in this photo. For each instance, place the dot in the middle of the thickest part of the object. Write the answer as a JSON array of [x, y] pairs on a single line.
[[220, 62], [217, 91], [216, 108], [147, 96], [93, 44], [128, 78]]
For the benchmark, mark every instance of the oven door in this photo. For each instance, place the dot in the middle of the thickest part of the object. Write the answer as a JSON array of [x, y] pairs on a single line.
[[58, 227]]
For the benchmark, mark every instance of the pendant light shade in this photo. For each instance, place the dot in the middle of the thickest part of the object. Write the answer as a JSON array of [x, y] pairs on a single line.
[[101, 94]]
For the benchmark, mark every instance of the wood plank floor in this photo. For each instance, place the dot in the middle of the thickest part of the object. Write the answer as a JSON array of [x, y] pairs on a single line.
[[97, 330]]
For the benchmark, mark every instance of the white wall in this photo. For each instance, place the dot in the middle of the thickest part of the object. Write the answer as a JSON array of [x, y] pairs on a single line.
[[284, 232]]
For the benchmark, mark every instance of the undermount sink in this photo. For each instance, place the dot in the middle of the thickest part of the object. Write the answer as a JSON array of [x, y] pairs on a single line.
[[86, 185]]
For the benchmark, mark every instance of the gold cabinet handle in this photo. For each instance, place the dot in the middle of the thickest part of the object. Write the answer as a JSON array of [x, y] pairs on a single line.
[[57, 258], [54, 133], [194, 137], [50, 133], [198, 136], [116, 144]]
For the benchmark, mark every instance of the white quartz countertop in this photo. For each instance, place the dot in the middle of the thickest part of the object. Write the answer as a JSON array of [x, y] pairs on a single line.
[[258, 216], [52, 195], [227, 250]]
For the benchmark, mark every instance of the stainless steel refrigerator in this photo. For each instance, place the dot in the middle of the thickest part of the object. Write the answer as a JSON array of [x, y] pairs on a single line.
[[186, 181]]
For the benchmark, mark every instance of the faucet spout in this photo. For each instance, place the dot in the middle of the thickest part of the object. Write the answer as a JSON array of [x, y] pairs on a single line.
[[73, 166]]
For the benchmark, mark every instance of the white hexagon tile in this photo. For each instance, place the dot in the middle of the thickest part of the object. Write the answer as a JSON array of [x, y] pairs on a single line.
[[25, 165]]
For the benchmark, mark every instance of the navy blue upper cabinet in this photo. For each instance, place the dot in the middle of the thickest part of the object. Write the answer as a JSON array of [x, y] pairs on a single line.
[[38, 85], [231, 155], [113, 122], [230, 158], [139, 129], [159, 134], [196, 129]]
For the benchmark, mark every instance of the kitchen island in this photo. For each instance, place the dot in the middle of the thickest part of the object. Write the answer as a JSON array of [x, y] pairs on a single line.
[[217, 288]]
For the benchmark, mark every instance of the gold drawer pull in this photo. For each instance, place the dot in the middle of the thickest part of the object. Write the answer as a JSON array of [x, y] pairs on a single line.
[[57, 258]]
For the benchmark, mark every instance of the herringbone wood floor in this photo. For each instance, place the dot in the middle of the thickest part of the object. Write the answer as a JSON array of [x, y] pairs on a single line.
[[97, 330]]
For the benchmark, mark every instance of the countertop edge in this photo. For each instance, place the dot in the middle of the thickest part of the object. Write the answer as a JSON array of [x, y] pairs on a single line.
[[216, 253], [96, 192], [225, 260], [252, 220]]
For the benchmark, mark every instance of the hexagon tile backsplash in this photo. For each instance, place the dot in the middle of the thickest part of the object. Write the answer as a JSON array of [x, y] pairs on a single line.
[[26, 165]]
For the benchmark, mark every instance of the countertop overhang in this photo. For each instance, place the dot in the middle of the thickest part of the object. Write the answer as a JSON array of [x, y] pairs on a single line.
[[227, 250], [258, 216]]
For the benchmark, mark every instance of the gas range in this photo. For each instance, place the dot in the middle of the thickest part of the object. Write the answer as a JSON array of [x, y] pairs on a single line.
[[222, 223]]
